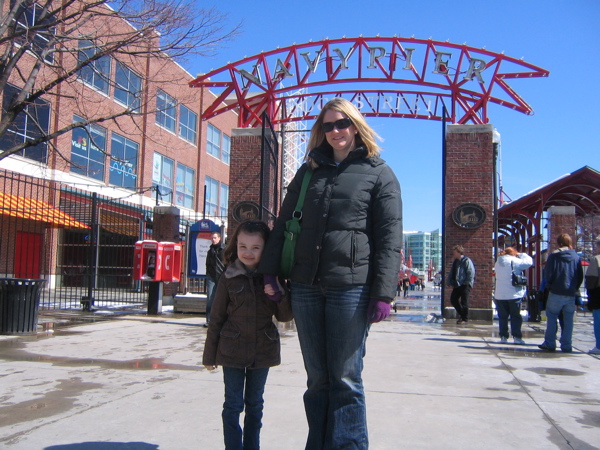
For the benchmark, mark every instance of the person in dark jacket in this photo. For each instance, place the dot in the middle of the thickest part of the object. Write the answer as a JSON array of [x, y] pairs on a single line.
[[214, 269], [241, 335], [592, 285], [461, 279], [563, 274], [346, 267]]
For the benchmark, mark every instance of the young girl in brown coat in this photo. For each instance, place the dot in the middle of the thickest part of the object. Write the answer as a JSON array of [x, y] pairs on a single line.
[[241, 335]]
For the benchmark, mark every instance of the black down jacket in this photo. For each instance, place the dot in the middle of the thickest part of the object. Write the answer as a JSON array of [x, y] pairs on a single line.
[[351, 225]]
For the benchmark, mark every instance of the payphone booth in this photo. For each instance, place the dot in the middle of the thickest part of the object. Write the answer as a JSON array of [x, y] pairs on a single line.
[[145, 259], [156, 262], [170, 261]]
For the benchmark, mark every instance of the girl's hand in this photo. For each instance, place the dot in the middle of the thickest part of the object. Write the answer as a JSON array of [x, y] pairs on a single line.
[[210, 367], [273, 289]]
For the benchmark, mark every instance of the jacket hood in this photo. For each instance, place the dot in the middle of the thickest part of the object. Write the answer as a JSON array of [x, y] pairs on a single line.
[[323, 155], [236, 269], [566, 254]]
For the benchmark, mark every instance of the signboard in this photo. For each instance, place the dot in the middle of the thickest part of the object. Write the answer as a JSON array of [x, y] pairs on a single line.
[[200, 242], [246, 211], [468, 215]]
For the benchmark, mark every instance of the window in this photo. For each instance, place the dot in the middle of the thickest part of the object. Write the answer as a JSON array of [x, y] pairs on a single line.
[[188, 122], [226, 149], [224, 200], [211, 206], [184, 188], [162, 177], [33, 16], [123, 162], [216, 147], [165, 110], [128, 86], [96, 73], [30, 124], [88, 150], [213, 145]]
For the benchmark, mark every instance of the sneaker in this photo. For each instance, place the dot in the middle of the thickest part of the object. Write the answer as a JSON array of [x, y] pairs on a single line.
[[519, 341], [503, 340], [546, 348], [566, 350], [595, 351]]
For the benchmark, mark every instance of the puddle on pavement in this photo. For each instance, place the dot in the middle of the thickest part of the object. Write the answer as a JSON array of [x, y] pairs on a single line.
[[556, 371], [16, 354], [60, 400]]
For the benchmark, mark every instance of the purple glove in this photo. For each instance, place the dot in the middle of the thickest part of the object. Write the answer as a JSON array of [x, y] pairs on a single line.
[[271, 280], [379, 309]]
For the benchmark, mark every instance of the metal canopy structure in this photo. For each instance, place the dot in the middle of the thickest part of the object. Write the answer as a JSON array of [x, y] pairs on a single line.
[[399, 77], [521, 220]]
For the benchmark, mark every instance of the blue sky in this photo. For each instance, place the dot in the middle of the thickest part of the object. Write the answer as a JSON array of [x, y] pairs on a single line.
[[560, 36]]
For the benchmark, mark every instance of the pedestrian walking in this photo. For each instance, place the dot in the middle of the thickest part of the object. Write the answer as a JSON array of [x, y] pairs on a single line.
[[214, 269], [563, 274], [461, 279], [592, 285], [508, 298]]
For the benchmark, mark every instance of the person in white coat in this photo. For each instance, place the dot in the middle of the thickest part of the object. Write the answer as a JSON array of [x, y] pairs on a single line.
[[507, 297]]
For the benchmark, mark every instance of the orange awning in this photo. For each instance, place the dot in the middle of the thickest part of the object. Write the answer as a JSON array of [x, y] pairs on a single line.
[[26, 208], [119, 223]]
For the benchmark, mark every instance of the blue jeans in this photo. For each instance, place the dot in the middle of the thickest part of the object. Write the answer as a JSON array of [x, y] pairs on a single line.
[[211, 290], [596, 314], [554, 306], [512, 309], [244, 390], [332, 329]]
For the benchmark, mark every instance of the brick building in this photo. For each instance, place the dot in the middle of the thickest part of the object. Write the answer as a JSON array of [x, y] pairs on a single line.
[[165, 156]]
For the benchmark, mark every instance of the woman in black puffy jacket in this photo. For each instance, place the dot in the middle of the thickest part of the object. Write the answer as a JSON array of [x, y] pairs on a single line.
[[345, 271]]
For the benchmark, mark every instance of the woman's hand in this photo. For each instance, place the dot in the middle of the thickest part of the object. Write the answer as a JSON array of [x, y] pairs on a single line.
[[210, 367], [379, 309]]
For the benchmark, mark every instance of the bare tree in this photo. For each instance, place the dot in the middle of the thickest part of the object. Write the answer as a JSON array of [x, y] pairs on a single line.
[[47, 48]]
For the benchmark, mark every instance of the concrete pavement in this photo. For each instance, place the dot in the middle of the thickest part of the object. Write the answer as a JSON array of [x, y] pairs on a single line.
[[136, 382]]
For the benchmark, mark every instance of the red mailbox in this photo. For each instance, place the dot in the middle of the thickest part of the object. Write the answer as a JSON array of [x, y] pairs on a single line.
[[171, 261], [147, 261]]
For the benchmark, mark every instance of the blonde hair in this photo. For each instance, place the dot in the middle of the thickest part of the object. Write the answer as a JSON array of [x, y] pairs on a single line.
[[366, 136]]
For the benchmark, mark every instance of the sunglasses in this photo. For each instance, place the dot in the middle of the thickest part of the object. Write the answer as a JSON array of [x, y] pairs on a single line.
[[341, 124]]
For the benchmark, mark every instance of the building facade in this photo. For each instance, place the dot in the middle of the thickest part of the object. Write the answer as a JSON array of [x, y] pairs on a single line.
[[423, 248], [112, 173]]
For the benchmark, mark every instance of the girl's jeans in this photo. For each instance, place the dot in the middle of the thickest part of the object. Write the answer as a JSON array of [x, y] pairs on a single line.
[[244, 390]]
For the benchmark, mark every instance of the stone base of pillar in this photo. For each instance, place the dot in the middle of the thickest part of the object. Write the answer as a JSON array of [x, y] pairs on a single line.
[[479, 314]]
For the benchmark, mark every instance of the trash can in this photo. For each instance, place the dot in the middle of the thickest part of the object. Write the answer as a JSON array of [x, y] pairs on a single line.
[[19, 304]]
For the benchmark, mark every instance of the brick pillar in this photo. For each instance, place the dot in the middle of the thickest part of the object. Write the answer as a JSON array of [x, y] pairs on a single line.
[[165, 228], [469, 186], [562, 219], [244, 173]]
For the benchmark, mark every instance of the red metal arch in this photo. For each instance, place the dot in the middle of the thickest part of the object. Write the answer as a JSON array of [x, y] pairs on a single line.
[[292, 83]]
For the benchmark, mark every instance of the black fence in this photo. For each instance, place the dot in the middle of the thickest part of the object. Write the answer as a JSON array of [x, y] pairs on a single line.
[[81, 243]]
